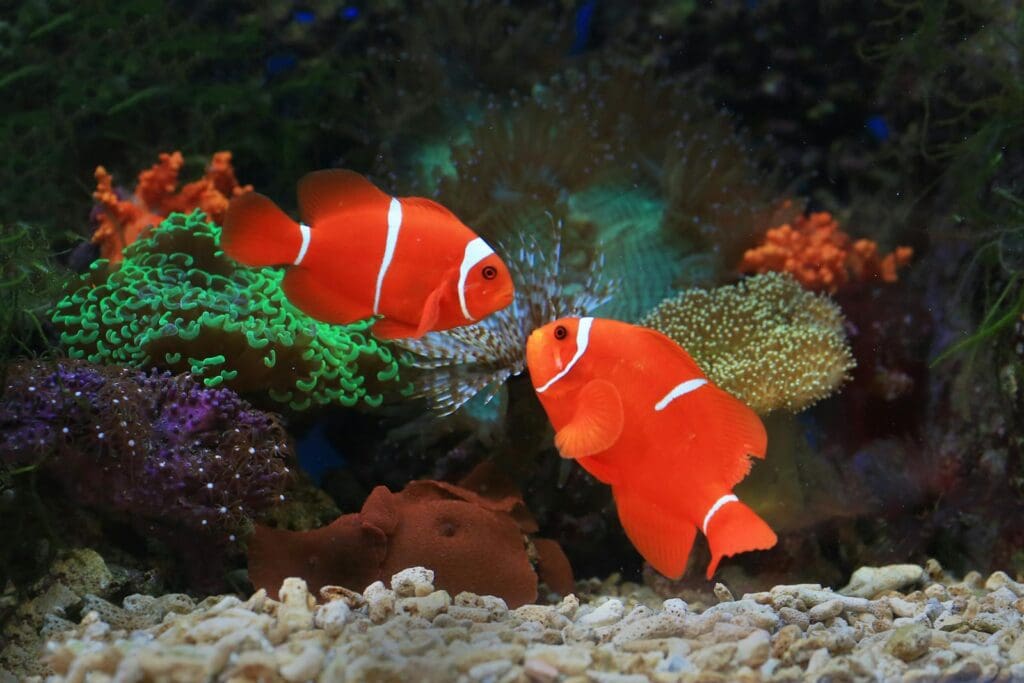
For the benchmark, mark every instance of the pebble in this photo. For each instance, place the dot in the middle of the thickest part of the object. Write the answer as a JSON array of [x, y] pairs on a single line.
[[951, 631], [413, 582], [867, 582], [909, 642]]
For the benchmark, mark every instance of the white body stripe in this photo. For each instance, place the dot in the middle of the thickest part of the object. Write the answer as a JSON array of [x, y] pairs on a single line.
[[678, 390], [394, 225], [582, 339], [476, 251], [304, 229], [724, 500]]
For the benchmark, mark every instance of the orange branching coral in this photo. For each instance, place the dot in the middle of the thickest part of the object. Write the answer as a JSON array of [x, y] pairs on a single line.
[[815, 251], [121, 221]]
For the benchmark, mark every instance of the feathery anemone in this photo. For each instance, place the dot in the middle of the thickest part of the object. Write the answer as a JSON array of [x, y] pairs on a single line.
[[460, 363]]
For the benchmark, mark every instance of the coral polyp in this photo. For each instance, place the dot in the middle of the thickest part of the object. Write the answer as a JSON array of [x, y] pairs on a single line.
[[178, 303], [164, 453]]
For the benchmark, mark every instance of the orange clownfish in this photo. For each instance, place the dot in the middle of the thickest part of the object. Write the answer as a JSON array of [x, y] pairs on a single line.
[[359, 252], [633, 409]]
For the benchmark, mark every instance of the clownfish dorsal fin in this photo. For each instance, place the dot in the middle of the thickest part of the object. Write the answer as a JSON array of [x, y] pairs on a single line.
[[741, 432], [429, 208], [326, 193], [669, 346], [597, 423], [661, 537]]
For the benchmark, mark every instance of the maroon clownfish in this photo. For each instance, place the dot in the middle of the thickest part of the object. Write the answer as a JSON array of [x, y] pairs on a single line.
[[359, 252], [633, 409]]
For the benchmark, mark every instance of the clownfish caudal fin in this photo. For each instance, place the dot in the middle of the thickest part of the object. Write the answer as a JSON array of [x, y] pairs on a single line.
[[731, 528], [662, 538], [258, 233], [596, 424]]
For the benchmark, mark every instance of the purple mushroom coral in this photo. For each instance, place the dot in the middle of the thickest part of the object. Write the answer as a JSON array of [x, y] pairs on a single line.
[[179, 461]]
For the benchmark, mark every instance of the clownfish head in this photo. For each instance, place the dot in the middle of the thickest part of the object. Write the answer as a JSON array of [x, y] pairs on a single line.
[[485, 284], [552, 351]]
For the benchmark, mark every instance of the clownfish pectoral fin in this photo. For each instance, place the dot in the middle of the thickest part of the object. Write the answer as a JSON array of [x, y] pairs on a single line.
[[662, 538], [597, 423], [308, 293], [734, 528], [258, 233], [323, 194], [392, 329]]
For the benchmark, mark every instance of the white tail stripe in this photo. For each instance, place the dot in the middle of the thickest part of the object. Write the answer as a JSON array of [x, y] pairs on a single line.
[[724, 500], [476, 251], [304, 229], [678, 390], [394, 225], [582, 340]]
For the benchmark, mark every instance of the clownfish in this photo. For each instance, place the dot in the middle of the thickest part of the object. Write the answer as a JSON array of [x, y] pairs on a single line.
[[359, 252], [634, 410]]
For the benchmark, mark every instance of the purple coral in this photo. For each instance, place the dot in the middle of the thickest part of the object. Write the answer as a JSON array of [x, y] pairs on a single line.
[[176, 459]]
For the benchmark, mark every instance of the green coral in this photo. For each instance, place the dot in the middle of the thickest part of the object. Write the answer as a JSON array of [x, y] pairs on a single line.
[[765, 340], [177, 302]]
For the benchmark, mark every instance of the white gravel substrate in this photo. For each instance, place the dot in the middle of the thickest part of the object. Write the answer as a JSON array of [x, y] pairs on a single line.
[[933, 630]]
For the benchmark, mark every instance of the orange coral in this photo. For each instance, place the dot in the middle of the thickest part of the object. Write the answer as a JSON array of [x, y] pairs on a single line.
[[121, 221], [815, 251]]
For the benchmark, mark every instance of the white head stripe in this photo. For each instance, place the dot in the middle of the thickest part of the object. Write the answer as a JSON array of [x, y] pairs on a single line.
[[476, 251], [304, 229], [724, 500], [678, 390], [394, 225], [582, 339]]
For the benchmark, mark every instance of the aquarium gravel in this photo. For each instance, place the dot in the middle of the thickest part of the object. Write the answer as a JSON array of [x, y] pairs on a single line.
[[892, 623]]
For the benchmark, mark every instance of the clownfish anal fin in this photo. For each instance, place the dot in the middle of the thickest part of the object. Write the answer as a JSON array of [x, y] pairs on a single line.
[[662, 538], [308, 293], [599, 469], [597, 423], [392, 329], [323, 194]]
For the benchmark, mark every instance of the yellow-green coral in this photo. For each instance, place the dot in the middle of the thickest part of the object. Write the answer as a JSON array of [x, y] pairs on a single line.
[[766, 340], [178, 303]]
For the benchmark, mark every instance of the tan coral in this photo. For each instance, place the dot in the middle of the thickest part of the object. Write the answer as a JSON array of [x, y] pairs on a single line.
[[766, 340]]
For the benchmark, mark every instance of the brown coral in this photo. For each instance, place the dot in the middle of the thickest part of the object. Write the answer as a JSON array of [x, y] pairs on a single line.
[[122, 220], [473, 543], [822, 257]]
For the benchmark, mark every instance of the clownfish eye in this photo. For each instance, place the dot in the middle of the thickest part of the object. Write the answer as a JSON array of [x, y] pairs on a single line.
[[490, 272], [561, 332]]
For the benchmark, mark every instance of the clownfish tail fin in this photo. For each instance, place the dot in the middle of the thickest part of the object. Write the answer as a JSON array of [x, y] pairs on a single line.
[[258, 233], [731, 528]]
